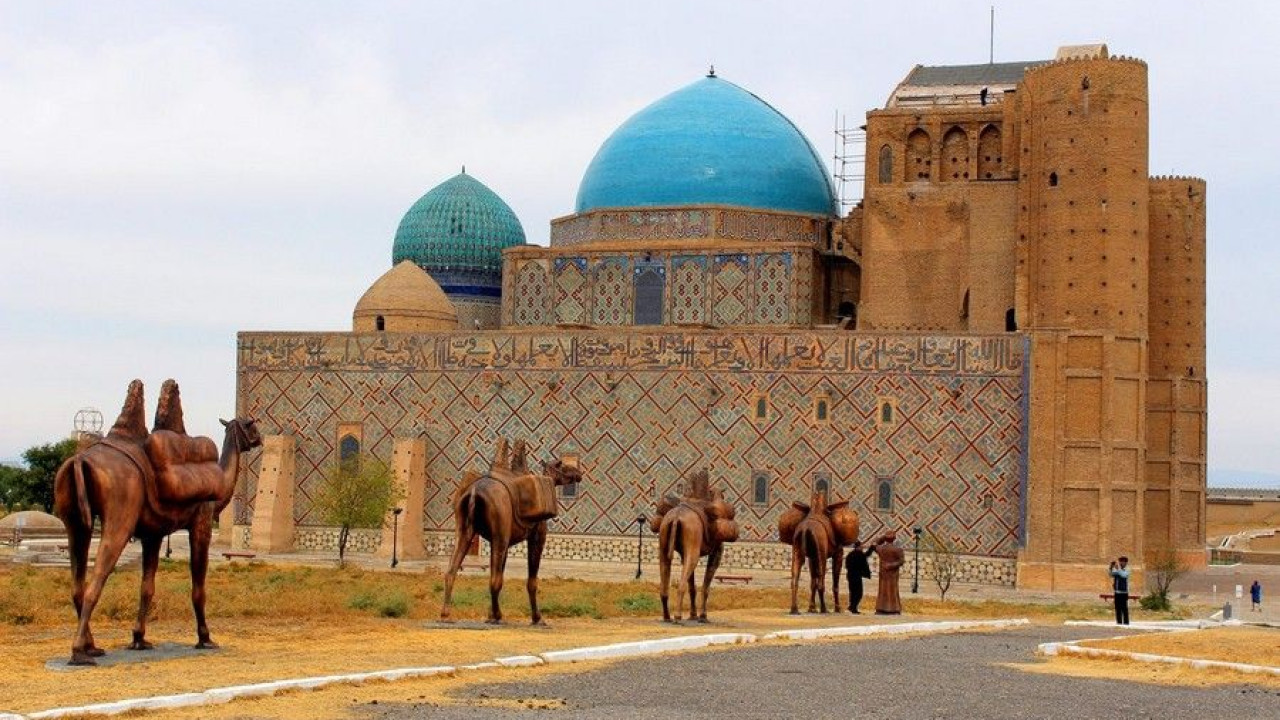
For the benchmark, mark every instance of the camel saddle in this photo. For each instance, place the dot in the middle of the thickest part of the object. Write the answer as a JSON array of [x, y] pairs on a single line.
[[186, 468], [533, 497]]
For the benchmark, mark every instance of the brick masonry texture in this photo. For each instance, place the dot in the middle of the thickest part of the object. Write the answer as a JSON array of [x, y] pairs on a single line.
[[642, 409]]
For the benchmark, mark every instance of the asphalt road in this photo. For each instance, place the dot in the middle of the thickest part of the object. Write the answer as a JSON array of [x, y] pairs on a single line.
[[940, 676]]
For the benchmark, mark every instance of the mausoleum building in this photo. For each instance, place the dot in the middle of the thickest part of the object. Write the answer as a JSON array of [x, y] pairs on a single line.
[[1002, 344]]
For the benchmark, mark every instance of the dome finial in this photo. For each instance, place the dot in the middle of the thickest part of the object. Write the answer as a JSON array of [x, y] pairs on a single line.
[[464, 169], [712, 71]]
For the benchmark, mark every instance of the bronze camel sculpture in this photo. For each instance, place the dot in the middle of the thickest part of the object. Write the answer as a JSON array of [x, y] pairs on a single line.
[[115, 480], [695, 526], [817, 531], [492, 506]]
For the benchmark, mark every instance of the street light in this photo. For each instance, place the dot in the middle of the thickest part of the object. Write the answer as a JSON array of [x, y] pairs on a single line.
[[639, 542], [395, 535], [915, 579]]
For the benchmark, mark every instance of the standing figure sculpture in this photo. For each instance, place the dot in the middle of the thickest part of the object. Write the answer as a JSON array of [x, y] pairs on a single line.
[[857, 569], [145, 485], [696, 526], [509, 505], [891, 558], [817, 531]]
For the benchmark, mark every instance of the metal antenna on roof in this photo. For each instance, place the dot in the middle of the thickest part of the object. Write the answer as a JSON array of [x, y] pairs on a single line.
[[991, 57]]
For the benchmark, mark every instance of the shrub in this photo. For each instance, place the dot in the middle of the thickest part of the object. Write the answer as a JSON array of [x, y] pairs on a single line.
[[575, 608], [362, 600], [640, 602], [394, 605]]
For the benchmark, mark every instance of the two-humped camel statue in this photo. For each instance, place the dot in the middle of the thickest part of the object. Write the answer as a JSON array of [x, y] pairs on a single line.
[[145, 485], [696, 525], [509, 505], [817, 531]]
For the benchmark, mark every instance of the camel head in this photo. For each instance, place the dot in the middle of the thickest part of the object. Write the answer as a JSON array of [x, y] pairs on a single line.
[[245, 432], [562, 473]]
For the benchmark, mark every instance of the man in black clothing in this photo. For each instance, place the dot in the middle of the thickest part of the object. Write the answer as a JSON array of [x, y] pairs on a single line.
[[1120, 587], [856, 568]]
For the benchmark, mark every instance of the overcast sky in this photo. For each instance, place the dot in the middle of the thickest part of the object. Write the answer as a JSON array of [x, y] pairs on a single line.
[[171, 173]]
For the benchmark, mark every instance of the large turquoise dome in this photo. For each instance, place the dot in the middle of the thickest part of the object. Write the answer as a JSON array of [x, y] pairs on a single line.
[[710, 143], [456, 232]]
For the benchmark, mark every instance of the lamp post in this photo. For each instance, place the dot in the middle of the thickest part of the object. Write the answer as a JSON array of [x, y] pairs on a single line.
[[639, 543], [168, 546], [915, 578], [395, 536]]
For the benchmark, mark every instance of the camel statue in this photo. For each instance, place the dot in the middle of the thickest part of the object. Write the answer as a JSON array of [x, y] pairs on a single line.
[[118, 481], [696, 526], [507, 506], [817, 531]]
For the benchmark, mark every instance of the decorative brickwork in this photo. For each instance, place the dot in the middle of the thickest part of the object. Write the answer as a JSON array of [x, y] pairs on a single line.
[[689, 290], [730, 296], [611, 291], [730, 224], [772, 289], [529, 300], [570, 293], [642, 409]]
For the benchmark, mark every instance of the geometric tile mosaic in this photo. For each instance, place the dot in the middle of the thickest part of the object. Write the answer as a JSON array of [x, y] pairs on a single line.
[[641, 409]]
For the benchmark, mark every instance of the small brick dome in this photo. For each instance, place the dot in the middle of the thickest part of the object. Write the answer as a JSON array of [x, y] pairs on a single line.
[[404, 299]]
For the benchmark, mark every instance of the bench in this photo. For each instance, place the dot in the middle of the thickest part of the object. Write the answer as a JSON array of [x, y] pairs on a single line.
[[230, 554], [734, 579]]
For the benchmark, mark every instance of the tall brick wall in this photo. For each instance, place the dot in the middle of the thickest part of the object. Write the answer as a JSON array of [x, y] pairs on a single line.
[[642, 409], [1176, 389]]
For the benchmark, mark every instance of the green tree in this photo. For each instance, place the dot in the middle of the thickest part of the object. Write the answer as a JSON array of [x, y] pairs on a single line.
[[355, 493], [33, 486], [1163, 567]]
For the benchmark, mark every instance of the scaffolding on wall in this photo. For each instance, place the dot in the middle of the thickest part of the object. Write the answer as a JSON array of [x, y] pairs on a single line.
[[849, 162]]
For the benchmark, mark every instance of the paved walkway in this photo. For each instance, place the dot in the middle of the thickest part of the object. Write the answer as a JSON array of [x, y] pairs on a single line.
[[943, 676]]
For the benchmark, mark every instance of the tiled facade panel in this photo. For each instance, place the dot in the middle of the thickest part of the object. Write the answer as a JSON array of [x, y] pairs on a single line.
[[726, 290], [643, 409]]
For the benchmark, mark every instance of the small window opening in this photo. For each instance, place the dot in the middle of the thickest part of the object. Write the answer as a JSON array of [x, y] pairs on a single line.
[[569, 491], [348, 449], [886, 412], [1010, 321], [820, 409], [381, 323], [884, 494], [964, 306], [760, 487], [1053, 179], [762, 407]]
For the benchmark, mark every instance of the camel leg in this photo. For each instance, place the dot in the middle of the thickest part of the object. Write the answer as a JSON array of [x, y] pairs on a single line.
[[465, 535], [200, 536], [537, 541], [837, 562], [797, 565], [497, 568], [687, 580], [150, 561], [78, 540], [664, 575], [820, 580], [713, 564], [115, 535]]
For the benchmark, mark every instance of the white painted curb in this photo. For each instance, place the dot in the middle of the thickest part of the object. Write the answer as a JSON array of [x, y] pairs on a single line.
[[226, 694], [519, 661], [646, 647], [1146, 625], [1071, 649], [894, 629]]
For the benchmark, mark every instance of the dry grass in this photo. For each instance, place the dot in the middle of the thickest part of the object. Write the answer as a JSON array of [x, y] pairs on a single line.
[[1251, 645], [1254, 646], [39, 597]]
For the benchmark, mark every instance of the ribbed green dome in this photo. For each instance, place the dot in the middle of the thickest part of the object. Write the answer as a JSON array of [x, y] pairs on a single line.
[[456, 232]]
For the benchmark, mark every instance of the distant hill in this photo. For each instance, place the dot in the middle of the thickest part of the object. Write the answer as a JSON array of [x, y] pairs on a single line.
[[1243, 479], [13, 462]]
